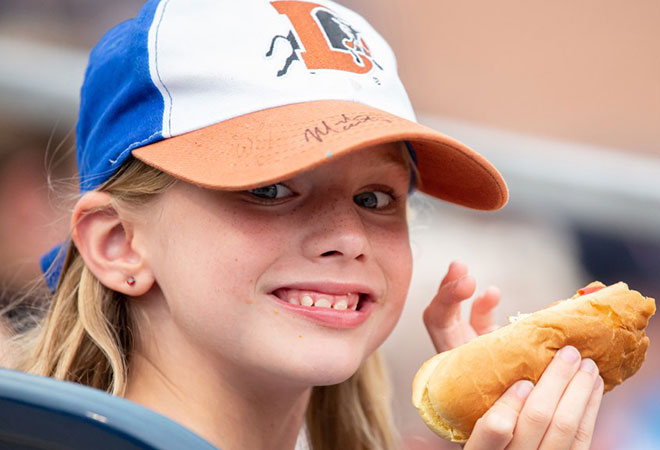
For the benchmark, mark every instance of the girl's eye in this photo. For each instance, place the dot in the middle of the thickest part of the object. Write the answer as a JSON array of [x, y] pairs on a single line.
[[271, 192], [373, 200]]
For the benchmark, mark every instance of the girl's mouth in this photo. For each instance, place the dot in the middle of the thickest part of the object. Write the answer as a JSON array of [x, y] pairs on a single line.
[[334, 310], [339, 302]]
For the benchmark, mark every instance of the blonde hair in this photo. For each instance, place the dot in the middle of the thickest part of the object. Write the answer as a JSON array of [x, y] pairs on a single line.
[[87, 336]]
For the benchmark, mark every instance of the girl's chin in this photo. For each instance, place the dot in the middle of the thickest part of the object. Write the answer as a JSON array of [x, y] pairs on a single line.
[[327, 380], [328, 373], [321, 374]]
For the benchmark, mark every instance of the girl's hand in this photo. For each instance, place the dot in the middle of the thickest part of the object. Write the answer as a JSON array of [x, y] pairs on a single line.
[[559, 413], [443, 315]]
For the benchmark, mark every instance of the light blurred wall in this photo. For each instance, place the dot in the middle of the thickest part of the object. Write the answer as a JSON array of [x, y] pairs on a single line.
[[585, 71]]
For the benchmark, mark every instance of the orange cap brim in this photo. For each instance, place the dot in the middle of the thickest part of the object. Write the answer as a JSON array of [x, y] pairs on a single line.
[[274, 144]]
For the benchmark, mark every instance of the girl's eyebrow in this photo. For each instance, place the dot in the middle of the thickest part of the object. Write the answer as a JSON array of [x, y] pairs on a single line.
[[404, 167], [391, 159], [395, 168]]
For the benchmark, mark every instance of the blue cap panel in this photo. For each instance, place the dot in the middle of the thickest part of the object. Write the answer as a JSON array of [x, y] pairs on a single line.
[[120, 108], [52, 264]]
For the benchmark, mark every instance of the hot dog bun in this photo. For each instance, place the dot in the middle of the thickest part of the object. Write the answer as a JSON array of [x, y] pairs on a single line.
[[455, 388]]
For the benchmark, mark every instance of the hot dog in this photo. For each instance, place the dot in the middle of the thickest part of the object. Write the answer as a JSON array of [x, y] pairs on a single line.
[[455, 388]]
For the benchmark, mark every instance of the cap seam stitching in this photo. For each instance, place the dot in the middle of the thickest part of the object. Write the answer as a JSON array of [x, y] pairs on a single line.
[[160, 80], [131, 147]]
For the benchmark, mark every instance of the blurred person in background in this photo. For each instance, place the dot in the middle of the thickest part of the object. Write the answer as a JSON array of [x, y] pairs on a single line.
[[631, 416], [29, 222]]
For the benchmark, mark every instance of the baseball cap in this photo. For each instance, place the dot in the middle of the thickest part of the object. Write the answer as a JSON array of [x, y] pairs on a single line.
[[234, 95]]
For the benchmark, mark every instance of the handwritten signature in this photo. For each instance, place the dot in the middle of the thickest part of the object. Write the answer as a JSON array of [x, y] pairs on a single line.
[[346, 122]]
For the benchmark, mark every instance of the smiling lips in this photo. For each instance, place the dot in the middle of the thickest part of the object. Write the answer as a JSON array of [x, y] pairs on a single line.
[[343, 302], [334, 305]]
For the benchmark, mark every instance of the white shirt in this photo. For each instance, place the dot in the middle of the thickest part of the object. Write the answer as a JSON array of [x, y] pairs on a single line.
[[303, 441]]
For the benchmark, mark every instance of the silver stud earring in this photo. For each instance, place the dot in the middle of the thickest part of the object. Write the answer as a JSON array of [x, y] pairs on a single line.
[[130, 281]]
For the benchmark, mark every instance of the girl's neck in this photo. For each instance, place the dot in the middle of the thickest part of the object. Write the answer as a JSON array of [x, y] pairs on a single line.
[[224, 406]]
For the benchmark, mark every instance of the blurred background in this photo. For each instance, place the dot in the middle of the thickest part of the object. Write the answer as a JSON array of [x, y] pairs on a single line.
[[563, 97]]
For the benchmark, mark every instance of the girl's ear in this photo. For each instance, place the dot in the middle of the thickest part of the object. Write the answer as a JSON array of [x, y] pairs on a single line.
[[105, 242]]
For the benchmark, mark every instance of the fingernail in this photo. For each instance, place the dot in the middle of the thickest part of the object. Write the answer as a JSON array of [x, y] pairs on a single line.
[[598, 384], [458, 281], [492, 290], [523, 388], [569, 354], [588, 365]]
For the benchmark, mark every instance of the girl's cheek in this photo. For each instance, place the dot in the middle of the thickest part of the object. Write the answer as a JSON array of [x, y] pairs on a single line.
[[397, 266], [396, 252]]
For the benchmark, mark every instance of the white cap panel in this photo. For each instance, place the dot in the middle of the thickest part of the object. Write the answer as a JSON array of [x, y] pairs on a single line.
[[232, 80]]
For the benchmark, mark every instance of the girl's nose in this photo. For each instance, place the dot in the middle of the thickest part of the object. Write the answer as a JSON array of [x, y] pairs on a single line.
[[336, 233]]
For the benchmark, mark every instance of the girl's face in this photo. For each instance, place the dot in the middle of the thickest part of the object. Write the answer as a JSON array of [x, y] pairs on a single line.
[[236, 271]]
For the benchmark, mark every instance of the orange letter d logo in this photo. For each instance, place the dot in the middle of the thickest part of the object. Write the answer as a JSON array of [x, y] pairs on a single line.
[[328, 42]]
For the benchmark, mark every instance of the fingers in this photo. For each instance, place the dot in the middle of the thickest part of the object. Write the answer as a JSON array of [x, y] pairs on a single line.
[[442, 317], [571, 408], [495, 429], [482, 317], [457, 269], [558, 404], [542, 402], [586, 428], [446, 304], [444, 310], [559, 412]]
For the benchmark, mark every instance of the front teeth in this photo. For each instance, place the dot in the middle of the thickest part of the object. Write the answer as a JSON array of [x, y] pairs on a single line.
[[323, 303], [341, 304]]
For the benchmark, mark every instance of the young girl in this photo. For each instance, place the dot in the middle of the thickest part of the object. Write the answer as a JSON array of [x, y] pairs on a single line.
[[240, 248]]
